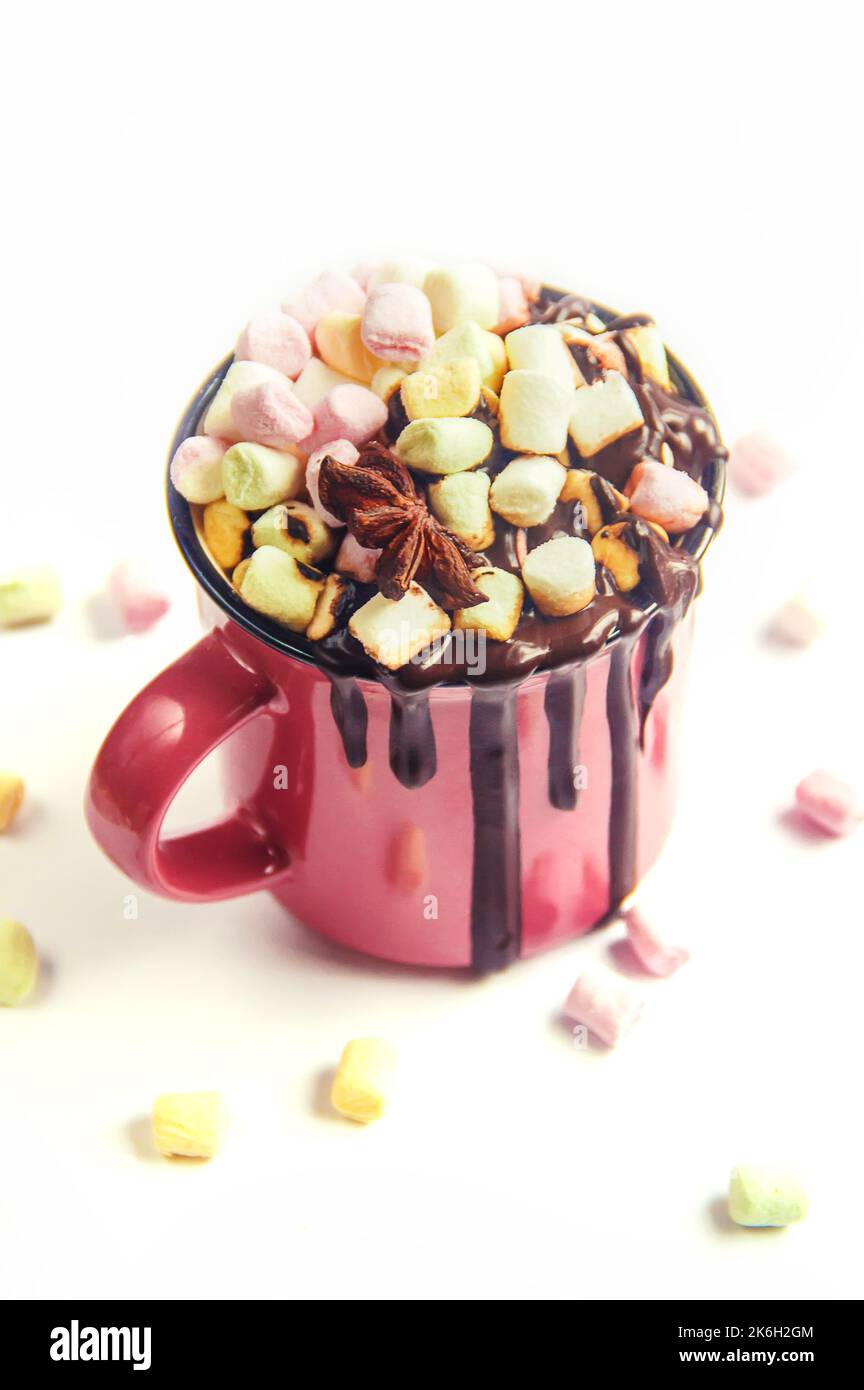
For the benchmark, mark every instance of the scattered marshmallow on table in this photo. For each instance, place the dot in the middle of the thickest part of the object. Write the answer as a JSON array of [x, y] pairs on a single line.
[[277, 340], [343, 451], [459, 292], [364, 1079], [19, 963], [356, 560], [31, 595], [137, 595], [830, 803], [349, 412], [330, 292], [651, 949], [757, 463], [11, 798], [801, 619], [764, 1194], [270, 413], [666, 495], [397, 323], [606, 1005], [189, 1124], [196, 468], [255, 476]]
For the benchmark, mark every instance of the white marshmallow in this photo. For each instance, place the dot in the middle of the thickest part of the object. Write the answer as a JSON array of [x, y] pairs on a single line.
[[498, 617], [535, 412], [461, 503], [460, 292], [603, 413], [315, 380], [408, 270], [539, 347], [560, 576], [392, 632], [526, 490]]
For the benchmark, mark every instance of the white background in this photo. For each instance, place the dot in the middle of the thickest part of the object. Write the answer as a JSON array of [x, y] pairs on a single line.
[[166, 173]]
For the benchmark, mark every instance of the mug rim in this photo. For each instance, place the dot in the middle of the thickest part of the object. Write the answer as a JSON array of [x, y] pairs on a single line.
[[296, 645]]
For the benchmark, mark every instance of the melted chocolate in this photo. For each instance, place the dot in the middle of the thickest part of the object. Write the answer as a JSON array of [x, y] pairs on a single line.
[[624, 748], [563, 702], [496, 909], [350, 717], [413, 758]]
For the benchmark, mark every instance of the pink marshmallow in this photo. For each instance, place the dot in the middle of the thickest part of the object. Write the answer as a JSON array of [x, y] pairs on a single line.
[[605, 1005], [135, 593], [666, 495], [196, 468], [270, 413], [397, 323], [347, 412], [513, 310], [757, 463], [344, 452], [277, 340], [657, 955], [356, 560], [829, 802], [363, 274], [797, 622], [330, 292]]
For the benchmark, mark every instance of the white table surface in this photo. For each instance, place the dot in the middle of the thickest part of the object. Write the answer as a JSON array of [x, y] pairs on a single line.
[[160, 195]]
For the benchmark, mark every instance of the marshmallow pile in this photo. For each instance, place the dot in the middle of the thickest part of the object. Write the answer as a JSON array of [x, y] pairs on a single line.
[[485, 407]]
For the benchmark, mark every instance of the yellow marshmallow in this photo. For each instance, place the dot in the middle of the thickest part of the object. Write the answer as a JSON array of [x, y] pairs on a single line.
[[11, 797], [19, 964], [364, 1079], [339, 343], [189, 1124]]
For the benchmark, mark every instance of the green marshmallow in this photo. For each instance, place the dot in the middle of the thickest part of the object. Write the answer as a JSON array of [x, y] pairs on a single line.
[[255, 477], [444, 446], [761, 1194], [276, 584], [29, 596], [19, 965]]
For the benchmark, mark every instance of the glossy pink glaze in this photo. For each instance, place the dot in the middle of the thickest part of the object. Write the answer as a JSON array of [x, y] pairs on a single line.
[[351, 852]]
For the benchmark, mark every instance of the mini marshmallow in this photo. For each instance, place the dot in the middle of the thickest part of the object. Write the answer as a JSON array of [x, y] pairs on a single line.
[[343, 451], [137, 595], [11, 798], [281, 587], [315, 380], [666, 495], [270, 414], [296, 529], [331, 599], [331, 291], [255, 476], [757, 463], [649, 947], [499, 616], [560, 576], [356, 560], [468, 340], [386, 380], [829, 802], [802, 618], [535, 412], [460, 292], [762, 1194], [196, 468], [513, 308], [651, 353], [461, 503], [526, 490], [240, 377], [540, 348], [30, 595], [19, 964], [347, 412], [444, 390], [225, 528], [189, 1124], [277, 340], [444, 446], [606, 1006], [397, 323], [603, 413], [364, 1079], [340, 343], [392, 631], [408, 270]]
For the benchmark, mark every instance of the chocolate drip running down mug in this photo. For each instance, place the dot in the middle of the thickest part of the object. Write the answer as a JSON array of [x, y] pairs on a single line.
[[436, 824]]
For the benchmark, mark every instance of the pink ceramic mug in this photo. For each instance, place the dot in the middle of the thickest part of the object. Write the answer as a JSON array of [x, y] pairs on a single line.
[[466, 825]]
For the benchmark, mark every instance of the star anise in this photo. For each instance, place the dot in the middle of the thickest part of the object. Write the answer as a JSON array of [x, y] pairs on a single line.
[[377, 499]]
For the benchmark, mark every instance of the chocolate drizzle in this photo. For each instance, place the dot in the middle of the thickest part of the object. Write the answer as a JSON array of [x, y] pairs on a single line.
[[350, 716], [413, 758], [496, 911], [563, 702], [624, 749]]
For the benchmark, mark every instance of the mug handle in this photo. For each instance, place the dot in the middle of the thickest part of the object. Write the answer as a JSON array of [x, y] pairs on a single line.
[[158, 741]]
